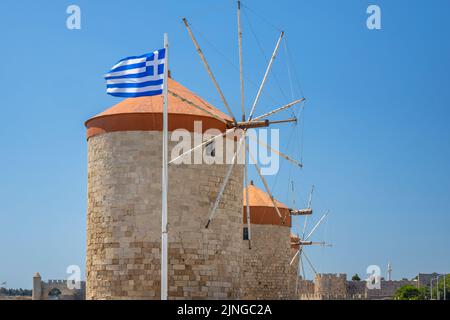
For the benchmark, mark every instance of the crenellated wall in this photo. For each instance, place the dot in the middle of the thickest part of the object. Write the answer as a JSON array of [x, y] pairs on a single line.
[[336, 287], [331, 285], [388, 289], [42, 289]]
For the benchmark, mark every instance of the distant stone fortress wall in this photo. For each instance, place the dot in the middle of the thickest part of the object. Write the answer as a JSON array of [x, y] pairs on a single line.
[[42, 290], [337, 287]]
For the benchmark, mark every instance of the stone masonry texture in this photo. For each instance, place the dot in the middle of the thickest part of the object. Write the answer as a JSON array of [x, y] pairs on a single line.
[[124, 223], [266, 273]]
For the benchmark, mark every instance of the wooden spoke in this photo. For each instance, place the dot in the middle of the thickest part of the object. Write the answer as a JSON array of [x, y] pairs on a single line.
[[241, 64], [315, 227], [197, 106], [272, 59], [208, 69], [303, 268], [212, 212], [201, 145], [288, 158], [287, 106], [309, 262], [283, 121], [295, 256], [266, 186], [247, 206]]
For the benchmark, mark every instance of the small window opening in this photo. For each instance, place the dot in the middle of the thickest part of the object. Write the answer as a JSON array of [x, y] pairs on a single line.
[[245, 235], [211, 149]]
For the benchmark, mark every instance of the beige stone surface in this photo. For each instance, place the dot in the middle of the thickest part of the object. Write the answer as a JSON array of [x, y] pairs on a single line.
[[266, 273], [333, 286], [124, 223]]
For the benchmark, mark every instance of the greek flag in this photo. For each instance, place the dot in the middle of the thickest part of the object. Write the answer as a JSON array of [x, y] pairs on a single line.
[[137, 76]]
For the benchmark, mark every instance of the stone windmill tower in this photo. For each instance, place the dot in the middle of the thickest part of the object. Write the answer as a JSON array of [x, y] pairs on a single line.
[[124, 205], [266, 273]]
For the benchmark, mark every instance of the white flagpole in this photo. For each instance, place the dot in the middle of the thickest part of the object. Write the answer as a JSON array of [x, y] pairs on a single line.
[[165, 177]]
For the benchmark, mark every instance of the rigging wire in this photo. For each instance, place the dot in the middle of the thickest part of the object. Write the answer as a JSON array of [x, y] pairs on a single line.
[[263, 53], [251, 81], [302, 121], [261, 17], [291, 62], [202, 35], [266, 21], [294, 196], [211, 102], [290, 188], [288, 69], [274, 184], [217, 6], [325, 229]]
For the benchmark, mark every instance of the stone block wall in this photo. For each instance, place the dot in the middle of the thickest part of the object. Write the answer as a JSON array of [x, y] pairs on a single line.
[[266, 273], [357, 289], [336, 286], [124, 223], [388, 289], [42, 289], [331, 285], [305, 289]]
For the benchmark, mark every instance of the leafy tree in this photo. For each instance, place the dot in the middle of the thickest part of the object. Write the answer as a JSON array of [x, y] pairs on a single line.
[[356, 277], [15, 292], [409, 292]]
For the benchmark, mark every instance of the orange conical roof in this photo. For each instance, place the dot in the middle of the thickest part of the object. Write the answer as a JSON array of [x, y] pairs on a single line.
[[262, 210], [260, 198], [145, 113]]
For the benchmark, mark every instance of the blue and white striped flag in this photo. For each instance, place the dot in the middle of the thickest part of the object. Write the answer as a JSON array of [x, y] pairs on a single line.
[[137, 76]]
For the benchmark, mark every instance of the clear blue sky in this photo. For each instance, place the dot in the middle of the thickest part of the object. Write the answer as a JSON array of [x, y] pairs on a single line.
[[376, 133]]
